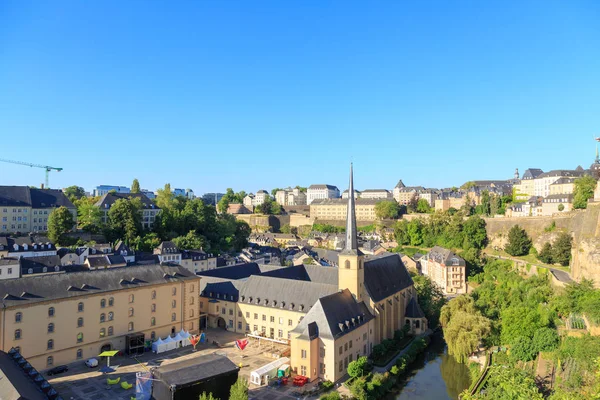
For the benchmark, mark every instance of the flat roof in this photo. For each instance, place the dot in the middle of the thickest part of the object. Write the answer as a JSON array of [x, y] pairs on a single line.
[[195, 369]]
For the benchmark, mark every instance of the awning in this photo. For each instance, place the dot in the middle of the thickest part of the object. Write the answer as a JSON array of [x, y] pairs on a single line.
[[111, 353]]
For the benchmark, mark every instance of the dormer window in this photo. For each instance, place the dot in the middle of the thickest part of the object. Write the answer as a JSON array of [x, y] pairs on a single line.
[[25, 247]]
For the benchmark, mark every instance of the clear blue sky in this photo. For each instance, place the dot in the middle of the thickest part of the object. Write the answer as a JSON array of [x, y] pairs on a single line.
[[263, 94]]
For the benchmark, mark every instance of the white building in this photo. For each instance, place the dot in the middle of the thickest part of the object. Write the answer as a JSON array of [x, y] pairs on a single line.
[[541, 184], [9, 268], [383, 194], [296, 198], [321, 191], [260, 197], [103, 189]]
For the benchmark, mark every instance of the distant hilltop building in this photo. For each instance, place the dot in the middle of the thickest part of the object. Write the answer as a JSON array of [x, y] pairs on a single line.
[[290, 197], [321, 191], [189, 193], [103, 189]]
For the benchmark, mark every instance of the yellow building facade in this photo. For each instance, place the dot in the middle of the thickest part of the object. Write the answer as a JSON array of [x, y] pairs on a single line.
[[61, 318]]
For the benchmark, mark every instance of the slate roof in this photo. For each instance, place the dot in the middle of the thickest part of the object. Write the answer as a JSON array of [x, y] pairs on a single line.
[[413, 309], [9, 261], [61, 286], [562, 197], [15, 383], [321, 186], [167, 247], [121, 246], [400, 184], [532, 173], [375, 191], [562, 172], [193, 255], [563, 180], [288, 294], [107, 200], [443, 256], [333, 316], [49, 198], [33, 244], [197, 369], [39, 263], [385, 276], [15, 196], [234, 272], [63, 251]]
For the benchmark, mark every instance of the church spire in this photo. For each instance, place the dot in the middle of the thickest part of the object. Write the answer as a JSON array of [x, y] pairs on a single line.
[[597, 156], [351, 239]]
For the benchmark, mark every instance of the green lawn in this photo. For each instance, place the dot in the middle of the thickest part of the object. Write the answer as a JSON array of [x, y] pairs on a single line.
[[529, 258]]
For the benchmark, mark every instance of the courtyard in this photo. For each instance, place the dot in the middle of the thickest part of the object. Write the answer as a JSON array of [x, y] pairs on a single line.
[[83, 383]]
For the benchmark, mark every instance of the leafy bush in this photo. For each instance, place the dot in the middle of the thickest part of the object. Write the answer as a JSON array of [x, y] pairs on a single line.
[[357, 367], [545, 339], [523, 349], [519, 242], [331, 396], [546, 254]]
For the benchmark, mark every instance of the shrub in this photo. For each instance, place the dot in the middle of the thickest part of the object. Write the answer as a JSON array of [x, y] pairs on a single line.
[[357, 368], [546, 254], [523, 349], [331, 396], [519, 242], [545, 339]]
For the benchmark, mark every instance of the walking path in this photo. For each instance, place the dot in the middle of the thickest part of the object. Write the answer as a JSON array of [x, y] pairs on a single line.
[[561, 275]]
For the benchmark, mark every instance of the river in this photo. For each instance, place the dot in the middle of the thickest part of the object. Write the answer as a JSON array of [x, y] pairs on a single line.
[[435, 375]]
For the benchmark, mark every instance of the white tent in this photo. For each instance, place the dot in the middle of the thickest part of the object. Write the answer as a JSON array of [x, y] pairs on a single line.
[[184, 334], [159, 346], [262, 375], [180, 341], [170, 343]]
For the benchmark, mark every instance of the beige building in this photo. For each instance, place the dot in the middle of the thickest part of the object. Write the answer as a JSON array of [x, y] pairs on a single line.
[[541, 184], [61, 318], [329, 316], [24, 209], [526, 188], [192, 260], [563, 186], [556, 204], [446, 269], [447, 203], [336, 209], [376, 194]]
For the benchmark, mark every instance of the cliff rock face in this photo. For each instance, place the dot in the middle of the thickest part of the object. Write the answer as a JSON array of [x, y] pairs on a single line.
[[583, 225]]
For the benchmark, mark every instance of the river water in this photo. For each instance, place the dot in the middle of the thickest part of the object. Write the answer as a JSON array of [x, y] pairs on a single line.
[[435, 375]]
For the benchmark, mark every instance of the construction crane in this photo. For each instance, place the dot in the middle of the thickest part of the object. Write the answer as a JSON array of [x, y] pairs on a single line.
[[46, 167]]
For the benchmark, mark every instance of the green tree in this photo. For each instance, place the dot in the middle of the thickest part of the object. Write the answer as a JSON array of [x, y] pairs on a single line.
[[209, 396], [89, 217], [301, 188], [520, 321], [387, 209], [274, 191], [519, 242], [164, 197], [423, 206], [561, 207], [463, 326], [523, 349], [239, 390], [74, 193], [135, 186], [412, 204], [357, 367], [583, 191], [191, 241], [60, 222], [561, 250], [415, 232], [125, 220], [147, 243], [431, 298], [474, 233], [546, 254], [269, 207]]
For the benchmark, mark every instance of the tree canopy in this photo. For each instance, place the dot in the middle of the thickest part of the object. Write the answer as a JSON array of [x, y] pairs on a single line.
[[387, 209], [135, 186], [583, 191], [74, 193], [60, 222], [519, 242]]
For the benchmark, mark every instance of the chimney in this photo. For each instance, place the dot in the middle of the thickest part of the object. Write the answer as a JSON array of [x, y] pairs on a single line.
[[41, 185]]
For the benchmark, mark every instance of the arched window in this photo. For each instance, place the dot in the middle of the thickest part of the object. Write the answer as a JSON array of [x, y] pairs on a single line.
[[153, 294], [50, 327], [18, 317], [49, 361], [152, 321], [191, 300], [18, 334], [191, 288], [50, 345], [102, 317], [79, 322], [102, 303], [174, 304], [130, 327], [111, 316], [153, 335], [102, 332], [153, 307], [110, 331], [79, 353], [80, 307], [347, 264], [174, 291], [111, 302], [173, 317], [131, 298], [131, 311], [51, 312], [45, 269], [79, 337]]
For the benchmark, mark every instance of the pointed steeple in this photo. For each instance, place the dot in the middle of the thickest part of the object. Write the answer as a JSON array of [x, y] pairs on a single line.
[[351, 239], [597, 156]]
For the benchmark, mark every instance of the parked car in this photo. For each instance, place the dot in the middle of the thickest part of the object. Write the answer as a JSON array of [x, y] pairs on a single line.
[[58, 370], [92, 363]]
